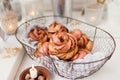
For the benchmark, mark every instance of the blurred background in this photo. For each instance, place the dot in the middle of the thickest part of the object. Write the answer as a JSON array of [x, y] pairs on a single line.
[[48, 7], [79, 9], [95, 12]]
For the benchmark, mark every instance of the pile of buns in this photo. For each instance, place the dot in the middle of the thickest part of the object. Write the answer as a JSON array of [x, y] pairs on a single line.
[[59, 41]]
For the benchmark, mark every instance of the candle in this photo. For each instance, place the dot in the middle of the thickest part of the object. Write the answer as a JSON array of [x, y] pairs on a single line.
[[92, 18], [33, 72], [32, 13], [11, 29], [32, 8], [93, 13]]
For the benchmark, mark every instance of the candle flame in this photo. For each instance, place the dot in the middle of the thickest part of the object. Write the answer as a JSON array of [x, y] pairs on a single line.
[[32, 13], [10, 26], [93, 18], [33, 67]]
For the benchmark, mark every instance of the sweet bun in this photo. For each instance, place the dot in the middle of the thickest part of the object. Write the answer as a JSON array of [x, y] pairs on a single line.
[[56, 40]]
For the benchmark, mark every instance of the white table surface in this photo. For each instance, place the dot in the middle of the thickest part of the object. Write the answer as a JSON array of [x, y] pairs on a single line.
[[110, 71], [10, 66]]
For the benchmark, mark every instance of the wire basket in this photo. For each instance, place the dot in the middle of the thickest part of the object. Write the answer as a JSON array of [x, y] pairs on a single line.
[[102, 42]]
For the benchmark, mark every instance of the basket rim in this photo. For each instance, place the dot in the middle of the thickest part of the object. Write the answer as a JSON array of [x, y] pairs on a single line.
[[107, 57]]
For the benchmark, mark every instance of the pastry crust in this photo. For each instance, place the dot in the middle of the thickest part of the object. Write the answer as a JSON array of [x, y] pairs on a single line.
[[38, 34], [57, 27]]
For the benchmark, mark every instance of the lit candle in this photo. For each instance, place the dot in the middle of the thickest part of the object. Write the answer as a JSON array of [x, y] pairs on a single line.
[[32, 8], [11, 29], [32, 13], [9, 22], [33, 72], [93, 13], [92, 18]]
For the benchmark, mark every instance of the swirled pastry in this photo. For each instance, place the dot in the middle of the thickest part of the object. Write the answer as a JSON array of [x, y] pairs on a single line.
[[56, 40]]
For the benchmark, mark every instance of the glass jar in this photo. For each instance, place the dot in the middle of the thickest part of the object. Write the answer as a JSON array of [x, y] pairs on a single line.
[[9, 22], [32, 8], [94, 13], [8, 17]]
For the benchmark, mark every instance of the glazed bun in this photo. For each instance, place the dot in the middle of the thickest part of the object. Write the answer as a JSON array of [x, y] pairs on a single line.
[[56, 40]]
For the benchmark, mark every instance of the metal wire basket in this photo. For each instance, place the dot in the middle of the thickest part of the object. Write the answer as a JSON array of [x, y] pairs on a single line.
[[102, 42]]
